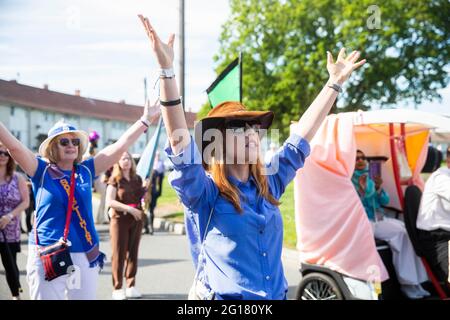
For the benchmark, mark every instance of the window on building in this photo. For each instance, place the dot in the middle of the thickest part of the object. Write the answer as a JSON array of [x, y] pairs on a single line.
[[12, 111], [40, 138]]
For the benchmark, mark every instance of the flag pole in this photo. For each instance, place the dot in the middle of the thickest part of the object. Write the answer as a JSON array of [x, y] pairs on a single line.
[[147, 135], [241, 65]]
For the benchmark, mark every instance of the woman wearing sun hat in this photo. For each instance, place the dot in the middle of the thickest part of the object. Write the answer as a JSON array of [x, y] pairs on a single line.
[[59, 164], [231, 209]]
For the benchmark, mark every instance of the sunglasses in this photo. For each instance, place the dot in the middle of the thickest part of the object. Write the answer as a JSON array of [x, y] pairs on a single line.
[[64, 142], [240, 127], [360, 158], [4, 153]]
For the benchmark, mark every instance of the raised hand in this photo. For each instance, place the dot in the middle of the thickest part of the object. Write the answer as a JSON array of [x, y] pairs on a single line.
[[341, 70], [152, 111], [163, 51]]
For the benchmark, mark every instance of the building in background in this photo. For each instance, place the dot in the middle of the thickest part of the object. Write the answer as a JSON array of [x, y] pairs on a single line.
[[29, 112]]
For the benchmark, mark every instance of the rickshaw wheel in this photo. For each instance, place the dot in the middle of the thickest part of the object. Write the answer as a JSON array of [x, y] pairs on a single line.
[[318, 286]]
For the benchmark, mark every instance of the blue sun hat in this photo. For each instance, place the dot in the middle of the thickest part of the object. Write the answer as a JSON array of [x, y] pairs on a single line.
[[62, 127]]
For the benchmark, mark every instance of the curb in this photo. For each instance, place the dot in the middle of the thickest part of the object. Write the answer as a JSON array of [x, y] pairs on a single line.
[[169, 226]]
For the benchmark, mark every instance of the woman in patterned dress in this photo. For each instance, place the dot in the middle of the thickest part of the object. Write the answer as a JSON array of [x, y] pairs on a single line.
[[13, 200]]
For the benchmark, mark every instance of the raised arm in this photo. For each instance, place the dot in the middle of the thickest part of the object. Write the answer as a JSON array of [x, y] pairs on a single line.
[[106, 157], [339, 72], [23, 156], [173, 116]]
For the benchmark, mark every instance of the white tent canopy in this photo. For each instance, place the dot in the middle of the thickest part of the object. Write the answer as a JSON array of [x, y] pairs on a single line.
[[439, 125]]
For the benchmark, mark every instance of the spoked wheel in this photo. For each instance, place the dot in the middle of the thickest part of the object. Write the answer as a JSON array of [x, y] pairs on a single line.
[[318, 286]]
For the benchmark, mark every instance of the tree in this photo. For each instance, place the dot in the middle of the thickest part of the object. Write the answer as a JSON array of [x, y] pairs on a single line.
[[284, 44]]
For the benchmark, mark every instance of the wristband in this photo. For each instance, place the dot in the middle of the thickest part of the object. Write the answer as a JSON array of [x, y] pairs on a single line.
[[170, 103], [336, 87], [145, 122], [166, 73]]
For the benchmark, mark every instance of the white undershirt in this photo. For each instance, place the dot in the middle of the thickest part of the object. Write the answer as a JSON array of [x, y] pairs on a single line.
[[434, 212]]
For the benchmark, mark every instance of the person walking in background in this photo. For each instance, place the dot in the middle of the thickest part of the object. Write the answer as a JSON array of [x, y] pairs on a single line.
[[124, 196], [14, 199], [155, 191]]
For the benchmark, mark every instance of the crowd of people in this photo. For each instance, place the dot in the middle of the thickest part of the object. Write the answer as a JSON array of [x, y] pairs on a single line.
[[233, 220], [62, 181]]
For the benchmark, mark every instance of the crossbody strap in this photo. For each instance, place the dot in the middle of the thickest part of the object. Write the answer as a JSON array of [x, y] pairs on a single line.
[[202, 248], [70, 205]]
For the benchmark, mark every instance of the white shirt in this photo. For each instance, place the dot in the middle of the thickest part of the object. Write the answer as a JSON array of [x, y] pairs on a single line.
[[158, 166], [434, 212]]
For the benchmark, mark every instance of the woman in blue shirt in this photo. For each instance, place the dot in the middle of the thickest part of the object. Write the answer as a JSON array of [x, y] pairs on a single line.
[[243, 244], [51, 174]]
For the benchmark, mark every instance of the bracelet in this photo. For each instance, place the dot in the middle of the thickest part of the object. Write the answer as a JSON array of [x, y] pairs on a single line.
[[11, 216], [145, 122], [166, 73], [170, 103], [336, 87]]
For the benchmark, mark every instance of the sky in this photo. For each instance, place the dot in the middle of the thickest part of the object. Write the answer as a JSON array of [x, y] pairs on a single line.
[[100, 47]]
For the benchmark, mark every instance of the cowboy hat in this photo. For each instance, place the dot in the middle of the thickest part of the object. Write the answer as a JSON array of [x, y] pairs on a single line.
[[227, 112]]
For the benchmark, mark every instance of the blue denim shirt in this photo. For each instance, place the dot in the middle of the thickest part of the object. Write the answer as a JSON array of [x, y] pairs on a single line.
[[242, 250]]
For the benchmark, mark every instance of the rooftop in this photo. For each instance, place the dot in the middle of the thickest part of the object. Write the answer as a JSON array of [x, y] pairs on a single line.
[[12, 92]]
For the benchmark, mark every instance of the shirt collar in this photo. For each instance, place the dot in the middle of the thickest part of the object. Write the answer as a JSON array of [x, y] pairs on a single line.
[[57, 173], [238, 183]]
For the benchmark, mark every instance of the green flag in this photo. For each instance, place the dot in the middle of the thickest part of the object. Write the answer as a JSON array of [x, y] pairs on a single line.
[[228, 85]]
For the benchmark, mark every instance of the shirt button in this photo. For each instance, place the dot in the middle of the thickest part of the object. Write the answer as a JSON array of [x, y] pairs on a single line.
[[267, 278], [264, 254]]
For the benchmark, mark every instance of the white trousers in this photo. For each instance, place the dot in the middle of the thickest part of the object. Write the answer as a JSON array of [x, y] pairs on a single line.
[[408, 266], [80, 285]]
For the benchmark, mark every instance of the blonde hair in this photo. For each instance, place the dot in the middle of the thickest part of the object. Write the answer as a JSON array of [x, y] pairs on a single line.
[[52, 151], [117, 173]]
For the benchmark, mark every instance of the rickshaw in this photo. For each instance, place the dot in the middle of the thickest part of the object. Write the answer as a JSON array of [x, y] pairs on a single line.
[[340, 258]]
